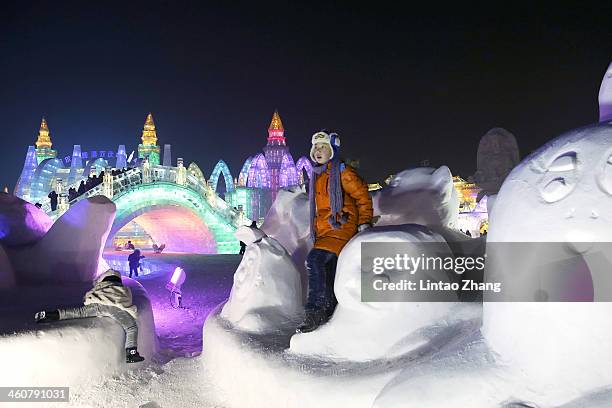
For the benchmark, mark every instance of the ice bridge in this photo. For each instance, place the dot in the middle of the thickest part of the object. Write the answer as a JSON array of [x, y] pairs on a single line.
[[174, 205]]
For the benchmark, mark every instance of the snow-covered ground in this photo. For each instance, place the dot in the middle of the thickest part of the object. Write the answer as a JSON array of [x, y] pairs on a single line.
[[208, 283], [174, 377]]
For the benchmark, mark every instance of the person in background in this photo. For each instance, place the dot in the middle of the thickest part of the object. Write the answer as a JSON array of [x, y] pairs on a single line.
[[242, 244], [134, 261]]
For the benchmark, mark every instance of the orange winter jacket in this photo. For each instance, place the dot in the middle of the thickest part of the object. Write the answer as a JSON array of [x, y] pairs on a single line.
[[357, 207]]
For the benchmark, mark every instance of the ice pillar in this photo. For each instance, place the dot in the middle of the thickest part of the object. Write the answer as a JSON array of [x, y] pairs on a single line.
[[121, 158], [76, 164], [167, 155], [22, 188]]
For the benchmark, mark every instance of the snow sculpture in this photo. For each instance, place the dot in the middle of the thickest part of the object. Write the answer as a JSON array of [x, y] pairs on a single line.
[[147, 338], [21, 223], [364, 331], [605, 96], [287, 219], [560, 193], [423, 195], [71, 249], [267, 289], [498, 153], [287, 222]]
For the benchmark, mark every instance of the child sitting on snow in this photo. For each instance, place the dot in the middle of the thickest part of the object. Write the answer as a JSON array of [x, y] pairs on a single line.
[[340, 206], [108, 298]]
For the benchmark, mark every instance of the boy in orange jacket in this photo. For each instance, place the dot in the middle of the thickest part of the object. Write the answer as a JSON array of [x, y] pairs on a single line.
[[340, 206]]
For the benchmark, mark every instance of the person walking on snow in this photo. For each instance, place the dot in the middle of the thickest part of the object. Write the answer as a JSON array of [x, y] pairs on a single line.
[[108, 298], [340, 206], [134, 261]]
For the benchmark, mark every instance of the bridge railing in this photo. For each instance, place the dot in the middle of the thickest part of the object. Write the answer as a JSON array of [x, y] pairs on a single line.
[[131, 178]]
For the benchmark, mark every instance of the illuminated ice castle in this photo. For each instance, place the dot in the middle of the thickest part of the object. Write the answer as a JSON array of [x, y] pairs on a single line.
[[265, 173], [158, 199]]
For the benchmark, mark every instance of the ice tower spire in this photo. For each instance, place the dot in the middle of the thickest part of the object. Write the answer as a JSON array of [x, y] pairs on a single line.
[[43, 143], [276, 132], [149, 136], [149, 148]]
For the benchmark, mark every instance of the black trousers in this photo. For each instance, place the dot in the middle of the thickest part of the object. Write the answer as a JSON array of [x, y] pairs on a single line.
[[321, 266]]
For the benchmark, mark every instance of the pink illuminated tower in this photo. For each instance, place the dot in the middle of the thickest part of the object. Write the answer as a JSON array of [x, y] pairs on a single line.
[[274, 152]]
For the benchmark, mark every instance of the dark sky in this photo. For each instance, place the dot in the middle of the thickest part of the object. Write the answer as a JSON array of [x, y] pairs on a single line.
[[399, 85]]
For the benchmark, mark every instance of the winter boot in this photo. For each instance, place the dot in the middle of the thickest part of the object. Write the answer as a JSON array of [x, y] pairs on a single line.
[[330, 307], [132, 356], [312, 320], [46, 316]]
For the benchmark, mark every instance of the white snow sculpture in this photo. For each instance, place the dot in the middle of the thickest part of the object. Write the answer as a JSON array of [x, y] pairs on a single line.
[[423, 195], [287, 222], [549, 236], [21, 223], [287, 219], [497, 155], [71, 249], [605, 96], [267, 289], [561, 193], [147, 337], [363, 331]]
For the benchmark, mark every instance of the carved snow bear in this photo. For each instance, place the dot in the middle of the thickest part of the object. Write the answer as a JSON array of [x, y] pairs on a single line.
[[423, 195], [266, 294]]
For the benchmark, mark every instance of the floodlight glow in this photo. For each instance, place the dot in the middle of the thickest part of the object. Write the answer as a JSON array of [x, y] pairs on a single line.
[[174, 286], [178, 277]]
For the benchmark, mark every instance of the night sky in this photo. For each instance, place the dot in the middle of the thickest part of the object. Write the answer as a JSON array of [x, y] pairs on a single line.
[[398, 85]]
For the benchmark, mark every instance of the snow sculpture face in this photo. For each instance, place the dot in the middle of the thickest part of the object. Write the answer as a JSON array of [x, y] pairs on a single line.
[[423, 196], [562, 191], [267, 289]]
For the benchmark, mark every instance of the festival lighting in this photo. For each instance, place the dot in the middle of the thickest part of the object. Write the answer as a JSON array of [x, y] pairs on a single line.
[[174, 287]]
